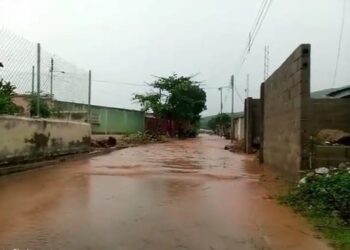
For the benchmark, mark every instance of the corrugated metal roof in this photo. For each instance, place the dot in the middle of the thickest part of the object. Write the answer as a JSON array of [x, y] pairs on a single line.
[[341, 92]]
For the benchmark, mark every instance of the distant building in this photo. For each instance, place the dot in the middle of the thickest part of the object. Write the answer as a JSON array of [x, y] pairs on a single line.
[[104, 120], [238, 122], [332, 93]]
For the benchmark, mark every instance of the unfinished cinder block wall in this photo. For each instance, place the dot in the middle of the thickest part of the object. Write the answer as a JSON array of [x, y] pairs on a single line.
[[286, 95], [329, 114], [252, 124]]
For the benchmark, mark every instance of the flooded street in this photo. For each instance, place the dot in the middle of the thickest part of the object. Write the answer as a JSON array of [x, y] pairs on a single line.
[[188, 194]]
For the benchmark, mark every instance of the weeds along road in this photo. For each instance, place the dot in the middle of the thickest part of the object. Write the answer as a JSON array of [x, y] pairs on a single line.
[[187, 194]]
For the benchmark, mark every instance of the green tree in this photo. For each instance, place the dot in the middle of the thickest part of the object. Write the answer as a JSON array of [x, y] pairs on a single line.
[[220, 120], [176, 98], [7, 91], [212, 123], [223, 120]]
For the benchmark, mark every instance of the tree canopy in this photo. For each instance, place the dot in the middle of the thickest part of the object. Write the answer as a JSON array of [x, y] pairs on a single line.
[[220, 120], [175, 97]]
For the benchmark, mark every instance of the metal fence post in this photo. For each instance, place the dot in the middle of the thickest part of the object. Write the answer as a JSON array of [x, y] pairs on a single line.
[[232, 108], [33, 80], [51, 79], [89, 98], [38, 81]]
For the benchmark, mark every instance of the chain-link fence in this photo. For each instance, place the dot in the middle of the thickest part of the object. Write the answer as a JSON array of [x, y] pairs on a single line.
[[60, 81]]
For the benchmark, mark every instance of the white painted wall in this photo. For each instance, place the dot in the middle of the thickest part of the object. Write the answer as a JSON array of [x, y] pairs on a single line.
[[27, 138]]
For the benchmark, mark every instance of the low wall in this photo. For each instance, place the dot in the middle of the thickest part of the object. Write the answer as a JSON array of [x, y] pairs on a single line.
[[330, 114], [329, 156], [25, 139]]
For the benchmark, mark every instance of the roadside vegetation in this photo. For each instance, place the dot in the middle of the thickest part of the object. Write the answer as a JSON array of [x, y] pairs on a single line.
[[7, 91], [142, 138], [44, 109], [323, 196], [8, 107], [176, 98], [220, 121]]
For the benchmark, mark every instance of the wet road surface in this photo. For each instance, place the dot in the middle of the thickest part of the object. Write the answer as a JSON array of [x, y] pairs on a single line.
[[180, 195]]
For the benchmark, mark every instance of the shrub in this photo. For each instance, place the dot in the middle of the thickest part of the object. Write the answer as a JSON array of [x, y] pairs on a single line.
[[7, 91], [45, 110], [323, 194], [141, 138]]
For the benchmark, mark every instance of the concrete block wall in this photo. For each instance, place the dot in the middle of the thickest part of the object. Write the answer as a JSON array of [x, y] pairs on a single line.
[[23, 139], [329, 114], [285, 110], [261, 152], [252, 124], [325, 156]]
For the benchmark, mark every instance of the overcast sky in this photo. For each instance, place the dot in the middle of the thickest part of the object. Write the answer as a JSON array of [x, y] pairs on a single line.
[[130, 40]]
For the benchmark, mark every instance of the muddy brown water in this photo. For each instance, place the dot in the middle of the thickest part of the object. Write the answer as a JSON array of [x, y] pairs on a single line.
[[179, 195]]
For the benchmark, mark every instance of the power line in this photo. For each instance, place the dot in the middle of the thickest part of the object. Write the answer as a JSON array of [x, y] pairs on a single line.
[[339, 43], [226, 98], [264, 8], [209, 88], [258, 18], [262, 20], [252, 31], [124, 83], [238, 94]]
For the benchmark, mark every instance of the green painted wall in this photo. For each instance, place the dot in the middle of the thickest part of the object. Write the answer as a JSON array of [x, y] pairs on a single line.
[[106, 120]]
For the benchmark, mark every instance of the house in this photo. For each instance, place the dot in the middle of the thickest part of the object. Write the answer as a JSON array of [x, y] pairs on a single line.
[[332, 93]]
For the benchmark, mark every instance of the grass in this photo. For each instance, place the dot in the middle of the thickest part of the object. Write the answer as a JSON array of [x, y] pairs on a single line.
[[332, 228], [325, 201]]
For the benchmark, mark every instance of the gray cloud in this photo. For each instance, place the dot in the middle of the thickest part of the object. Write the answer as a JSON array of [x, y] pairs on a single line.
[[128, 41]]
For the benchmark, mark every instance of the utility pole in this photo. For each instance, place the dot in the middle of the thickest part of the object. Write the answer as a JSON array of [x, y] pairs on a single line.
[[266, 62], [33, 79], [247, 87], [232, 106], [38, 80], [221, 106], [51, 79], [89, 98], [247, 116]]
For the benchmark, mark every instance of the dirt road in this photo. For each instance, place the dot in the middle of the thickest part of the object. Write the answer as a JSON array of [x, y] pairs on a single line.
[[180, 195]]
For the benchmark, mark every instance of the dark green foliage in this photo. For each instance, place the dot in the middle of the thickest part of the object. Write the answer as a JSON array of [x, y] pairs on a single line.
[[7, 91], [176, 98], [329, 194], [142, 138], [221, 120], [325, 199], [45, 111], [212, 124], [151, 102]]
